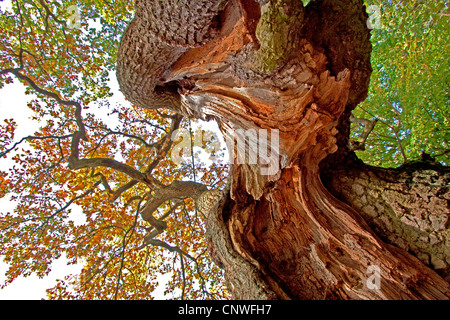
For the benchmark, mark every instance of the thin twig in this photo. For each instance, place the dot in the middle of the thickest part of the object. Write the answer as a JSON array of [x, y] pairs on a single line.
[[124, 245], [33, 138], [399, 141], [183, 273]]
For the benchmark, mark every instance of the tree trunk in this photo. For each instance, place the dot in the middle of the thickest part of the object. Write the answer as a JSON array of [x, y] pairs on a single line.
[[278, 66], [308, 245], [407, 207]]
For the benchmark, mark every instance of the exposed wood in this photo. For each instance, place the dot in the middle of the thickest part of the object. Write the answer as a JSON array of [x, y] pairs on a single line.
[[315, 247], [282, 235]]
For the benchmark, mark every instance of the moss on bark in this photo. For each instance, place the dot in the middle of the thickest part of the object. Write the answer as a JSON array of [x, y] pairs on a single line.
[[277, 33]]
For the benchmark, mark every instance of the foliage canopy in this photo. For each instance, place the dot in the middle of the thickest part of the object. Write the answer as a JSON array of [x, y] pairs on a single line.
[[409, 90]]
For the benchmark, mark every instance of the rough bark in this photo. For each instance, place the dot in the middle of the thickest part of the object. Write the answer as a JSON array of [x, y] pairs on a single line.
[[159, 34], [244, 280], [407, 207], [275, 65]]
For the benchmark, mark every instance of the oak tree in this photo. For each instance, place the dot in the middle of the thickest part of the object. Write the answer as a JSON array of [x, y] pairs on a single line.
[[321, 226]]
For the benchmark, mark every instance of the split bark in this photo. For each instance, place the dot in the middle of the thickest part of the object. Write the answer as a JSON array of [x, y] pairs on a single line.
[[275, 65]]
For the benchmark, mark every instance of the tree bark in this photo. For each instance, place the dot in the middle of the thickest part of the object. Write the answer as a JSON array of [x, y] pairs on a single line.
[[407, 207], [276, 65]]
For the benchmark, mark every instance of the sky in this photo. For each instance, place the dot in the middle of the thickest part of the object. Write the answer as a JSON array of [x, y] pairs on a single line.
[[13, 104]]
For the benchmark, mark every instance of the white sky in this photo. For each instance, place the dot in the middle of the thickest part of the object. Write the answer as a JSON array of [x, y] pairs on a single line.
[[13, 104]]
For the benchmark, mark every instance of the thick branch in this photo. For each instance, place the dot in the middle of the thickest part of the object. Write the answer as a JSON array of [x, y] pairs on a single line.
[[176, 190], [159, 225], [162, 148], [122, 189], [407, 207], [146, 53], [75, 163]]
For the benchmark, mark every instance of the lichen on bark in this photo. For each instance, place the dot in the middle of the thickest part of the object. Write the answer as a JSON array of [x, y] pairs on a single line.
[[277, 32], [407, 207]]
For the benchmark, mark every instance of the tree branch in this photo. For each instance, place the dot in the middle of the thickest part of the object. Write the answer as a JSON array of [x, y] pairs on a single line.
[[369, 125], [122, 189], [124, 245], [399, 141], [75, 163], [183, 273], [103, 180], [159, 225], [162, 244], [176, 190], [3, 153], [112, 132], [67, 205], [165, 144], [50, 14], [81, 134]]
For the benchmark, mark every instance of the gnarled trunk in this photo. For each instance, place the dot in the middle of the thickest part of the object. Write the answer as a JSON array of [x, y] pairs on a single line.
[[276, 66], [306, 244], [407, 207]]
